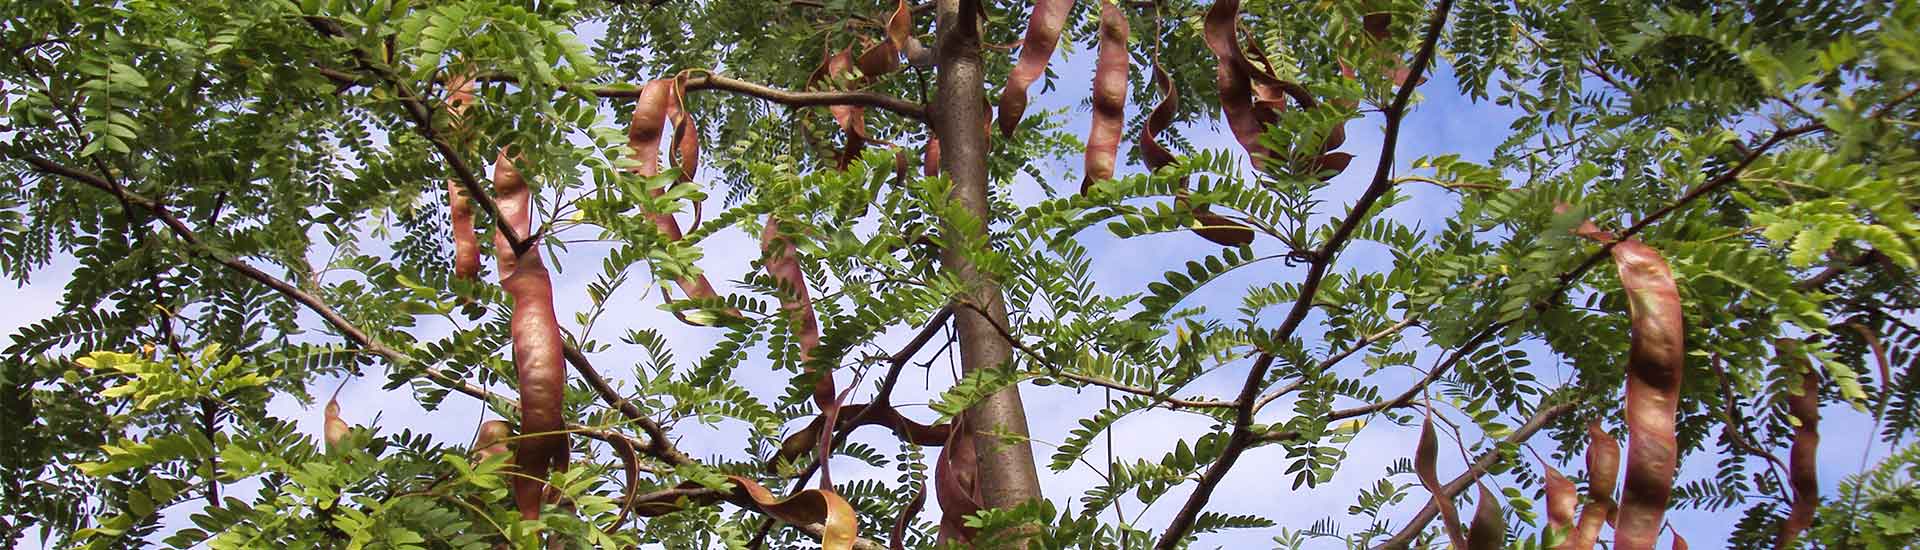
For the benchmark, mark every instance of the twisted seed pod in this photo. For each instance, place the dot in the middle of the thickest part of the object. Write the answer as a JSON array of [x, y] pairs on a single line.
[[1109, 96], [1043, 34], [1425, 457], [1603, 473], [1655, 365], [466, 243], [808, 506], [643, 137], [956, 485], [1489, 531], [1803, 473], [1231, 75], [537, 357], [335, 429], [492, 439], [1208, 225], [1561, 499], [858, 415], [884, 56]]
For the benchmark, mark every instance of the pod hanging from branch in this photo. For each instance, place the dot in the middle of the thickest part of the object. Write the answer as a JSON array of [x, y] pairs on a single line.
[[537, 351], [1803, 474], [956, 484], [466, 244], [1561, 499], [1208, 225], [839, 524], [1489, 530], [335, 429], [492, 439], [837, 68], [1603, 474], [1043, 34], [643, 137], [1425, 458], [1655, 365], [1109, 97], [883, 57]]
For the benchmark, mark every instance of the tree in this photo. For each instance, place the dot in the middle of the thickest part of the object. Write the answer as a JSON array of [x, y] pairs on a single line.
[[1703, 211]]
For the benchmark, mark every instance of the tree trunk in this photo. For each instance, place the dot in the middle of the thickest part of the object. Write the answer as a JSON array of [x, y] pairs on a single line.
[[1006, 472]]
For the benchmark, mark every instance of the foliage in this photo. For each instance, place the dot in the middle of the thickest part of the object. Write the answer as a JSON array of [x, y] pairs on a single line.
[[250, 199]]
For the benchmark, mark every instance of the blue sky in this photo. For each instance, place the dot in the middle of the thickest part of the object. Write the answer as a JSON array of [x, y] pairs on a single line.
[[1445, 123]]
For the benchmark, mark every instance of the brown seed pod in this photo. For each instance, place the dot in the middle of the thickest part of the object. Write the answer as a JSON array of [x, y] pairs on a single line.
[[1043, 34], [492, 439], [1425, 458], [537, 354], [883, 57], [1232, 75], [840, 524], [643, 137], [956, 485], [1561, 498], [1489, 531], [1803, 474], [838, 67], [335, 429], [858, 415], [516, 208], [1655, 365], [930, 161], [1208, 225], [466, 243], [1603, 474], [1109, 96]]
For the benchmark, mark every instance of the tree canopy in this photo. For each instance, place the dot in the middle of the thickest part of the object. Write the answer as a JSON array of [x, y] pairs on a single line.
[[728, 235]]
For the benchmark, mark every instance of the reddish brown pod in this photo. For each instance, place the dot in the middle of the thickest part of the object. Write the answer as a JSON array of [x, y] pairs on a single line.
[[1210, 226], [1655, 365], [1109, 96], [1603, 474], [492, 439], [1043, 34], [956, 484], [538, 358], [644, 134], [466, 243], [838, 68], [839, 524], [1425, 460], [1803, 474], [1232, 75], [1561, 499], [516, 209]]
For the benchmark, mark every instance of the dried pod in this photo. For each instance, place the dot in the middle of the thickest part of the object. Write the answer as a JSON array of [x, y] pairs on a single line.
[[1232, 75], [1109, 96], [839, 524], [492, 439], [1803, 472], [1043, 34], [1208, 225], [516, 209], [1561, 500], [643, 137], [956, 485], [336, 429], [466, 243], [883, 57], [1425, 458], [537, 355], [1489, 531], [1603, 474], [838, 69], [1655, 366]]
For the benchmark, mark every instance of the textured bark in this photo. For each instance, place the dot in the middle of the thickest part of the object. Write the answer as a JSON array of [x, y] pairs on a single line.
[[1007, 476]]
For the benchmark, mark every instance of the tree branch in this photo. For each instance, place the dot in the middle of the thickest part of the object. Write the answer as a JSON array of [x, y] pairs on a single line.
[[1480, 465], [719, 82], [1243, 436]]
